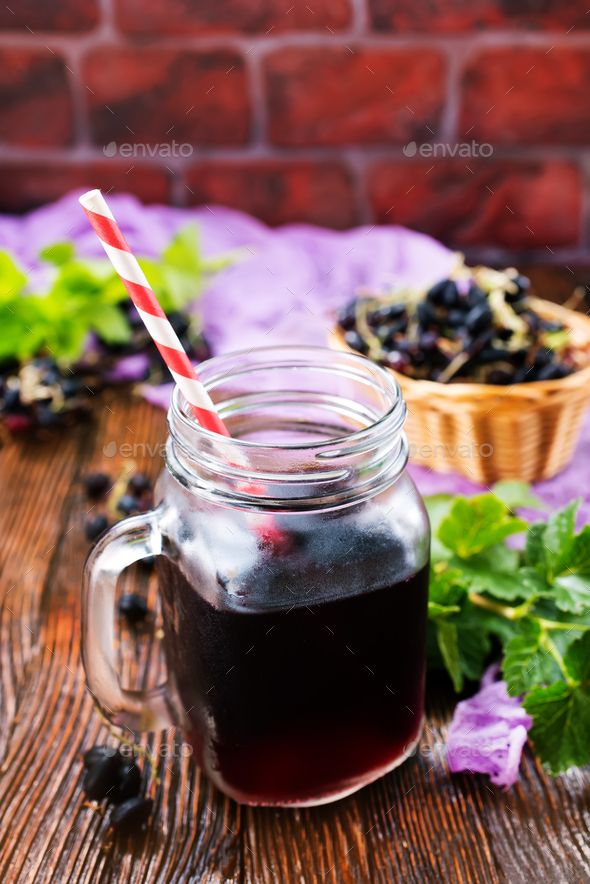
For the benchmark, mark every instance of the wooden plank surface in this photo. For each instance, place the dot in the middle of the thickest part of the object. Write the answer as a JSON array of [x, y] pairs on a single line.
[[417, 824]]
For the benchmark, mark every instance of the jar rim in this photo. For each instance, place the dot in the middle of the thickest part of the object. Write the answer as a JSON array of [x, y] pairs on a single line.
[[211, 373]]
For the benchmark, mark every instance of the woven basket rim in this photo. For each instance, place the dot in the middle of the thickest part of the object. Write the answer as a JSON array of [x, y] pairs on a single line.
[[580, 322]]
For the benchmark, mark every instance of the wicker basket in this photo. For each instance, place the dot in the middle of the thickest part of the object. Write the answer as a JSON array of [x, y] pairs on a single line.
[[488, 432]]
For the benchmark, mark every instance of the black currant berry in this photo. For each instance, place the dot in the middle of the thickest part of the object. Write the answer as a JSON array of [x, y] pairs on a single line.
[[97, 484], [98, 753], [354, 340], [128, 504], [128, 783], [95, 526], [131, 815], [133, 607], [102, 777], [139, 484]]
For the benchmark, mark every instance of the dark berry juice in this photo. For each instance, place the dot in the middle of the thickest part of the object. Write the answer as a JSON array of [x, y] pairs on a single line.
[[303, 702]]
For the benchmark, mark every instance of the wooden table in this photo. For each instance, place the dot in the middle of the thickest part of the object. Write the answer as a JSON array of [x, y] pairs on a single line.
[[417, 824]]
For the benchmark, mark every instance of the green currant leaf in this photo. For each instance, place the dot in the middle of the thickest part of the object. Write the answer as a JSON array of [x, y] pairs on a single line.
[[476, 523], [561, 713], [516, 494], [448, 643], [526, 660]]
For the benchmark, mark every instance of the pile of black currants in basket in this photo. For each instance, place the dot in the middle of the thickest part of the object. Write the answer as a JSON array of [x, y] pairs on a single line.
[[477, 326]]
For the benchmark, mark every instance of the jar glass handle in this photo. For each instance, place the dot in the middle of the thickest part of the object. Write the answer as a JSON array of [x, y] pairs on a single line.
[[127, 542]]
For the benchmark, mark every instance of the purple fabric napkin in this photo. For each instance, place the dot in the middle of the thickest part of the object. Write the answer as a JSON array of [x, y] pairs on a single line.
[[488, 732], [286, 289]]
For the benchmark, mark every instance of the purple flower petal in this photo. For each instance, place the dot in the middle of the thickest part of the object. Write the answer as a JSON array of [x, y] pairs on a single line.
[[488, 733], [129, 368], [159, 396]]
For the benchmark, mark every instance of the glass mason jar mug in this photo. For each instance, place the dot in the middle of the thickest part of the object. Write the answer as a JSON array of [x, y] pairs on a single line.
[[293, 577]]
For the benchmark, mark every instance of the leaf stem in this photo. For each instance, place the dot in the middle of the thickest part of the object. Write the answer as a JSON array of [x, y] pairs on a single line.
[[555, 624], [506, 611], [551, 649]]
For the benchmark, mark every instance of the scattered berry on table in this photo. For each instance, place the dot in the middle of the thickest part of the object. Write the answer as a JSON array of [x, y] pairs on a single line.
[[139, 484], [133, 607], [95, 526], [102, 777], [128, 504], [98, 753], [131, 815], [128, 783], [97, 484], [148, 563], [111, 776]]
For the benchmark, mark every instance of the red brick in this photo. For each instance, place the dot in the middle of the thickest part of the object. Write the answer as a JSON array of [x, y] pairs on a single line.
[[35, 99], [153, 17], [26, 185], [456, 16], [513, 203], [527, 96], [278, 192], [341, 96], [156, 96], [44, 15]]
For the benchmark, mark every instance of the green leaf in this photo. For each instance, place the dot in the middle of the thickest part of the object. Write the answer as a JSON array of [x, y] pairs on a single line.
[[448, 643], [476, 523], [83, 294], [577, 558], [561, 713], [181, 287], [473, 632], [438, 507], [516, 494], [558, 538], [526, 661], [447, 585], [534, 551], [12, 278], [508, 584], [561, 723], [65, 341], [436, 611], [59, 253], [110, 324], [572, 593], [577, 661], [183, 251]]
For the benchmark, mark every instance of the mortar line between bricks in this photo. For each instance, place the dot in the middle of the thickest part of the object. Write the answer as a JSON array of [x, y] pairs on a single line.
[[107, 14], [358, 163], [584, 243], [82, 130], [449, 121], [106, 36], [258, 98], [393, 152], [360, 23]]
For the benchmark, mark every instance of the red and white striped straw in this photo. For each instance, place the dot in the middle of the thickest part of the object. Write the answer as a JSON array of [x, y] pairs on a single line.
[[152, 315]]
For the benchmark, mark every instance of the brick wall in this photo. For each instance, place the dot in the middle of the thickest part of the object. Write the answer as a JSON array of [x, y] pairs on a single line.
[[469, 120]]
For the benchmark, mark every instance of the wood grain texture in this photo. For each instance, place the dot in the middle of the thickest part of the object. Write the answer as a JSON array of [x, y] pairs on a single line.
[[417, 824]]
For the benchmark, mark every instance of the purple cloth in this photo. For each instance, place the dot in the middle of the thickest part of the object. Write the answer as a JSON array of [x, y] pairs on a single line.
[[488, 732], [286, 289]]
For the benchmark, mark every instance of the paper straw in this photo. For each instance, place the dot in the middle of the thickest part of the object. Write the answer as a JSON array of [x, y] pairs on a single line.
[[150, 311], [161, 332]]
